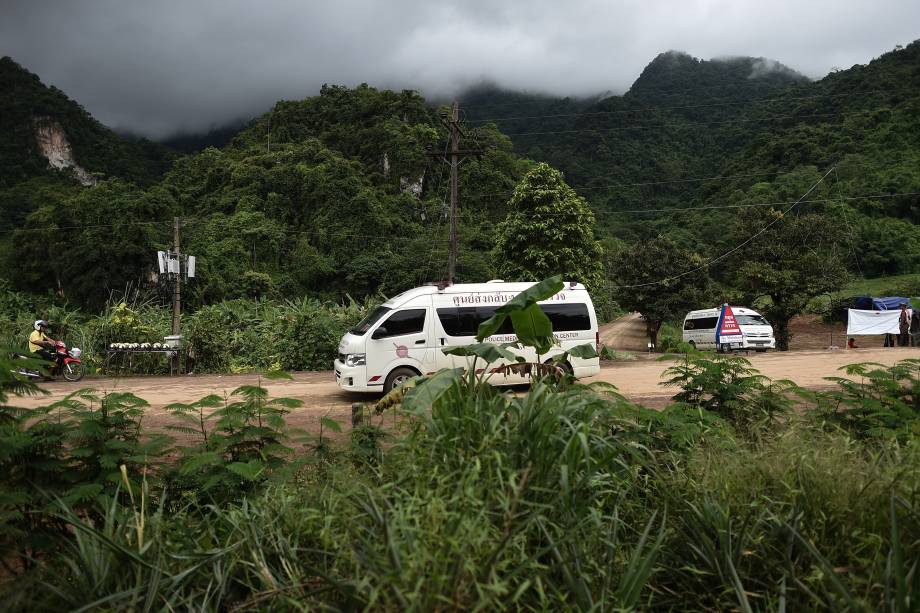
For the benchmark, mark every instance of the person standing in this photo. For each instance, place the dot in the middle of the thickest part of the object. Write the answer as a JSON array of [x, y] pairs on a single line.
[[904, 326], [915, 328]]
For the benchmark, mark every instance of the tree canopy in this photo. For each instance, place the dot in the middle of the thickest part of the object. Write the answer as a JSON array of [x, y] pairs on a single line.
[[661, 280], [548, 231]]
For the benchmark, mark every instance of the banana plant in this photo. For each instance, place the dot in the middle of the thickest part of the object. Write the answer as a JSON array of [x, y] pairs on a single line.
[[532, 328]]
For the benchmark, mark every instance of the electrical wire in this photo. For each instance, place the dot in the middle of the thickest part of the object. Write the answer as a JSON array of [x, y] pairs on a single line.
[[185, 221], [763, 204], [669, 108], [685, 124], [733, 249]]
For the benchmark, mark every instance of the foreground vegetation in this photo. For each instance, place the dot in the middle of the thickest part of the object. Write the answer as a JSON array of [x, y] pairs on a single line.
[[744, 494]]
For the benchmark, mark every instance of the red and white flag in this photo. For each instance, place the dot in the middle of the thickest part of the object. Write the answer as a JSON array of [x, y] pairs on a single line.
[[728, 332]]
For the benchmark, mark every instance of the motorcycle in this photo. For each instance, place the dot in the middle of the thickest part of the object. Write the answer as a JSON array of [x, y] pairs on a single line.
[[66, 362]]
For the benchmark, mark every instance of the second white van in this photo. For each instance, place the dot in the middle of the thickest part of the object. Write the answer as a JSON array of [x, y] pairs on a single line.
[[406, 336], [700, 329]]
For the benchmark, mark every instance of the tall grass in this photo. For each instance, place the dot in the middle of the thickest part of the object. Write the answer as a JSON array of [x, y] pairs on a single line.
[[554, 499]]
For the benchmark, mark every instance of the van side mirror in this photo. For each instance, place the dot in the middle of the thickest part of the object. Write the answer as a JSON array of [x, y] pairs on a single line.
[[380, 332]]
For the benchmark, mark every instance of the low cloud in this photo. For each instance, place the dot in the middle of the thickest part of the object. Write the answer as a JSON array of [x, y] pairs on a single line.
[[163, 66]]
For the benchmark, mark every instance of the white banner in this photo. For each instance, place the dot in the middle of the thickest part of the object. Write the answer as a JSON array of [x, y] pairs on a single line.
[[872, 322]]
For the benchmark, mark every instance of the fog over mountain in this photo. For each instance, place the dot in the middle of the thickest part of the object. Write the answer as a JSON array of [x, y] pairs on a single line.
[[163, 66]]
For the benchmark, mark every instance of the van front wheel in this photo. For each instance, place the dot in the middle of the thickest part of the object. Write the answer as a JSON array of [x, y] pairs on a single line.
[[397, 378]]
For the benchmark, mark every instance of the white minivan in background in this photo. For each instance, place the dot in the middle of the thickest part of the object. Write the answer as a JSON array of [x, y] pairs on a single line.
[[405, 336], [700, 329]]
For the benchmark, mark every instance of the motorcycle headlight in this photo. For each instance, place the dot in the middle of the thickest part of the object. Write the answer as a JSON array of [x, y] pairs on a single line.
[[356, 359], [75, 352]]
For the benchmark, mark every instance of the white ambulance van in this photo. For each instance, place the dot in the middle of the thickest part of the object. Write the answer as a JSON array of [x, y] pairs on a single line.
[[700, 329], [406, 336]]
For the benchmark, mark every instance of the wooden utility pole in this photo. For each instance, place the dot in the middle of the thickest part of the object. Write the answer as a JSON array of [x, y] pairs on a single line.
[[454, 189], [456, 154], [177, 282]]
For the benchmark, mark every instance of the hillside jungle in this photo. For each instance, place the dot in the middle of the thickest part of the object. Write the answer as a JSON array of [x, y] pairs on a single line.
[[322, 206]]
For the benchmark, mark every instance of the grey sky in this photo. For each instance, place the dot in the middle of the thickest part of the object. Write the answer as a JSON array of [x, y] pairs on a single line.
[[158, 66]]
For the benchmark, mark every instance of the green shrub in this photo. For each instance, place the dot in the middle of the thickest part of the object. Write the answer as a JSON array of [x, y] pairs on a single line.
[[241, 335], [883, 403], [563, 497], [727, 386], [239, 442]]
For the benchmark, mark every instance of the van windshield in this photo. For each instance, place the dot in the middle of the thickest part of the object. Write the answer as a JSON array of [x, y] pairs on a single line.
[[751, 320], [372, 318]]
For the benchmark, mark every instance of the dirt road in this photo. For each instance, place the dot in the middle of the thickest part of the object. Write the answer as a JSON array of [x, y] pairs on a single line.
[[638, 380], [626, 333]]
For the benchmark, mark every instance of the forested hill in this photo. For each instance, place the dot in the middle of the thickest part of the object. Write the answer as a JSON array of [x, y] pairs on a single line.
[[28, 107], [681, 117], [330, 196], [339, 194], [685, 119]]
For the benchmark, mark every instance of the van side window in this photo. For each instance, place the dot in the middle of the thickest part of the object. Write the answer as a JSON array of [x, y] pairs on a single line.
[[454, 325], [706, 323], [410, 321], [464, 321], [688, 325], [567, 317]]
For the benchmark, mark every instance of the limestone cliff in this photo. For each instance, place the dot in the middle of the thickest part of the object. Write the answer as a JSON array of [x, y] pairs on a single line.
[[53, 144]]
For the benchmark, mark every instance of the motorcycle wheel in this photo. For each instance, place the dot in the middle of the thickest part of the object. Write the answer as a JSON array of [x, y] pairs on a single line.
[[74, 371]]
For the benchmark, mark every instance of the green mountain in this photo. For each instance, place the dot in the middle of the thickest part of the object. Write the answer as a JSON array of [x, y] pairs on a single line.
[[344, 193], [334, 195], [35, 118], [749, 124]]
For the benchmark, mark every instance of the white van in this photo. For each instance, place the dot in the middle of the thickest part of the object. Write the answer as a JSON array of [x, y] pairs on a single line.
[[405, 336], [700, 329]]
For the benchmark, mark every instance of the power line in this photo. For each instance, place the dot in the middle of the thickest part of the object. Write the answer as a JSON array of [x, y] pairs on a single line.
[[684, 124], [649, 183], [199, 220], [763, 204], [737, 247], [668, 108], [204, 220], [86, 227]]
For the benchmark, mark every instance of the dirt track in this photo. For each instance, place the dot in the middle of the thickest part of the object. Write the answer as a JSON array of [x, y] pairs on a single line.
[[638, 380], [625, 334]]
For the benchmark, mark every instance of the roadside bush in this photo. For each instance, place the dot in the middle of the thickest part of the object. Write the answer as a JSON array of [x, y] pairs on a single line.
[[807, 520], [71, 450], [670, 339], [245, 335], [729, 387], [883, 403], [239, 442], [564, 497]]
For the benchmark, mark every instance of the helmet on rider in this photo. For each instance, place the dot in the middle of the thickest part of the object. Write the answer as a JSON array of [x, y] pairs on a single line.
[[39, 324]]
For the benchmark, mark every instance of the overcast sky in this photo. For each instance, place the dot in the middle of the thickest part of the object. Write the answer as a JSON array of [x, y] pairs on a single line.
[[161, 66]]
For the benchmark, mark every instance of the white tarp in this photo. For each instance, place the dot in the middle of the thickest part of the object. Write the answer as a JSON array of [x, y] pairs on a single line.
[[872, 322]]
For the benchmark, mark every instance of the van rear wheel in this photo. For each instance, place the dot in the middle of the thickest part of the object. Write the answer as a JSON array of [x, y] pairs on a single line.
[[397, 378]]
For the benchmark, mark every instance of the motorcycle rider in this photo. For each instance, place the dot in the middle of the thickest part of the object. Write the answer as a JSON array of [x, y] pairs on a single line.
[[40, 343]]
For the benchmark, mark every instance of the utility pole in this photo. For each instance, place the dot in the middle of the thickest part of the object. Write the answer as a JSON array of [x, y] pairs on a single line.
[[454, 189], [456, 154], [177, 285], [175, 267]]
